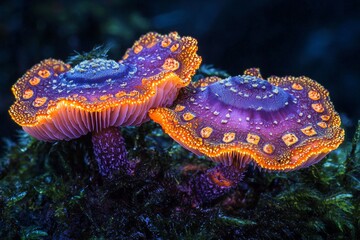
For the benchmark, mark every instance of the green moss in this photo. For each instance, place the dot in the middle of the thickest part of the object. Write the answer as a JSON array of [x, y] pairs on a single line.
[[52, 190], [208, 70], [100, 51]]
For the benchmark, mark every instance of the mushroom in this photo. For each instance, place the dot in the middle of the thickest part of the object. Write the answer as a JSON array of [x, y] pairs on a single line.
[[278, 124], [57, 102]]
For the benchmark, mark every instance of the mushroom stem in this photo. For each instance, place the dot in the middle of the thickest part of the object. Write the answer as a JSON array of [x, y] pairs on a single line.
[[216, 182], [110, 152]]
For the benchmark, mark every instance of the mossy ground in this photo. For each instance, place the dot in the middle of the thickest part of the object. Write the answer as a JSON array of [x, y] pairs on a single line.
[[54, 191]]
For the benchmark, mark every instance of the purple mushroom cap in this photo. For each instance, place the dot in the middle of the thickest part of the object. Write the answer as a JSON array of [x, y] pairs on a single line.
[[57, 102], [279, 124]]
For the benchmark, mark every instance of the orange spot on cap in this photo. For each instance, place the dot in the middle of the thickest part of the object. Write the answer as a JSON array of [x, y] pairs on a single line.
[[166, 42], [289, 139], [322, 124], [174, 47], [228, 137], [44, 73], [314, 95], [179, 108], [151, 44], [105, 97], [309, 131], [188, 116], [28, 93], [268, 148], [39, 101], [34, 81], [171, 64], [252, 138], [138, 49], [318, 107], [206, 132], [297, 86], [325, 117]]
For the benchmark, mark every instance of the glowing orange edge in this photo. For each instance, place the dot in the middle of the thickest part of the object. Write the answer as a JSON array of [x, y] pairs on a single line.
[[190, 59], [311, 147], [310, 84], [128, 98], [185, 135]]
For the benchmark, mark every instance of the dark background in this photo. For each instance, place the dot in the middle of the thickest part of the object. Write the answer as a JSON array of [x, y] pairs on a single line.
[[319, 39]]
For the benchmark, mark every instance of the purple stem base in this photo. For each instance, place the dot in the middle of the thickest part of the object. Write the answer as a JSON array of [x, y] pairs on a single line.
[[216, 182], [110, 152]]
